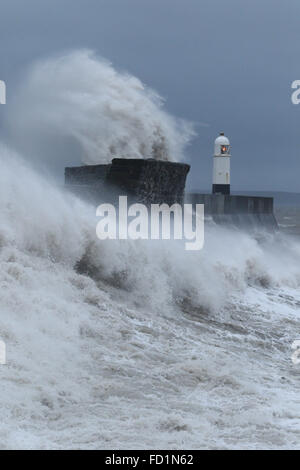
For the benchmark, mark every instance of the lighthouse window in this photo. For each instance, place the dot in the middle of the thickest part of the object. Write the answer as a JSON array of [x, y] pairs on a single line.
[[224, 149]]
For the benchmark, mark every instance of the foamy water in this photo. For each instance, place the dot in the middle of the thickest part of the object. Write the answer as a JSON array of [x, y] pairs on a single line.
[[150, 346], [123, 344], [108, 113]]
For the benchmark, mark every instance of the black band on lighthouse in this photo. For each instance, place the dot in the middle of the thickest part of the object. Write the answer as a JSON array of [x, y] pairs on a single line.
[[221, 188]]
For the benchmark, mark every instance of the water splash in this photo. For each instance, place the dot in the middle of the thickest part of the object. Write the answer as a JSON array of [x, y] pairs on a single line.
[[108, 112]]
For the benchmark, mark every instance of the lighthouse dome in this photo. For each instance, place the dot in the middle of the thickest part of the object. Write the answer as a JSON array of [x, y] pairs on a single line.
[[222, 145]]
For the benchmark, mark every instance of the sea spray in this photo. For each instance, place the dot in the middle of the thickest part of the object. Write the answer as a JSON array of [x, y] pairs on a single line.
[[107, 112], [123, 343], [150, 346]]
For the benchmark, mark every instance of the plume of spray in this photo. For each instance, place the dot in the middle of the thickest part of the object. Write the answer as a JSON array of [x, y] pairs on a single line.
[[85, 351], [110, 349], [109, 113]]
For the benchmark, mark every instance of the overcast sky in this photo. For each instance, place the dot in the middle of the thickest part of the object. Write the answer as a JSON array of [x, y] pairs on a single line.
[[225, 65]]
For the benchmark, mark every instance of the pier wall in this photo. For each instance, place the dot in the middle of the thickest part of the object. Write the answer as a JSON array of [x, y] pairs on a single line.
[[241, 211], [157, 182], [144, 181]]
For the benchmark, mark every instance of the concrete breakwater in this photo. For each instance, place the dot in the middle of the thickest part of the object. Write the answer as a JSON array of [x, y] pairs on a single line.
[[240, 211], [156, 182], [144, 181]]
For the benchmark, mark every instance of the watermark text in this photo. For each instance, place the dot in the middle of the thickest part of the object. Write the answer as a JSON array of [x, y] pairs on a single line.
[[2, 353], [296, 354], [157, 222], [2, 92]]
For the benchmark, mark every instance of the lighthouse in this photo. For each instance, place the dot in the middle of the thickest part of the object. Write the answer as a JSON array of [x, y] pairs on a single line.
[[221, 167]]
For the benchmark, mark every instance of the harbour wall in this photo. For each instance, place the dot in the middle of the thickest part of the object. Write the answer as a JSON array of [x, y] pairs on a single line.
[[240, 211], [156, 182], [145, 181]]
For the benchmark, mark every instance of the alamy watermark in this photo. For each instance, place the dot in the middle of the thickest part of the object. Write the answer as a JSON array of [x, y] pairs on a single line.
[[2, 353], [157, 222], [2, 92], [296, 354], [295, 97]]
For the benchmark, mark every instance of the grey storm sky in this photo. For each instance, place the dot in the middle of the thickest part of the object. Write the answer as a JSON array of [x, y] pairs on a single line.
[[225, 65]]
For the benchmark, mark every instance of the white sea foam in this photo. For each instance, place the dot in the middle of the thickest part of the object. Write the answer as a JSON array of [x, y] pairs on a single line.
[[132, 344], [108, 112], [153, 346]]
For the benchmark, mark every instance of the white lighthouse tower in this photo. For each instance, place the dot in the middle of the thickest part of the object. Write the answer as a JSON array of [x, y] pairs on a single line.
[[221, 169]]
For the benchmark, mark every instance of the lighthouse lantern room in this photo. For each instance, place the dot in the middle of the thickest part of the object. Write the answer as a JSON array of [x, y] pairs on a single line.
[[221, 166]]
